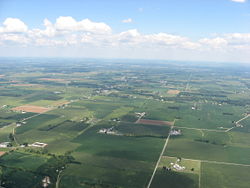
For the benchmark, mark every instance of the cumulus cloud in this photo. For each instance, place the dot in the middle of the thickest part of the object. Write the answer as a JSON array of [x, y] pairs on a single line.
[[87, 34], [239, 1], [129, 20], [217, 42], [14, 38], [13, 25], [67, 23]]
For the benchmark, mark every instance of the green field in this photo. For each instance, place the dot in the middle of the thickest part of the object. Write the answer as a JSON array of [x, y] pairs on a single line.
[[91, 135], [218, 175]]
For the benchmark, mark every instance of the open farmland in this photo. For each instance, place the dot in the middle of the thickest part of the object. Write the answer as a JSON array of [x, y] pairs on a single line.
[[30, 108], [95, 124], [154, 122]]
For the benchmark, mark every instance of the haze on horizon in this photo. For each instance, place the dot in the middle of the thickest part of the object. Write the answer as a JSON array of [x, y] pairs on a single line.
[[209, 30]]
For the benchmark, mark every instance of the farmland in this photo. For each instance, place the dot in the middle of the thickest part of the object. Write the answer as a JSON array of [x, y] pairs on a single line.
[[126, 124]]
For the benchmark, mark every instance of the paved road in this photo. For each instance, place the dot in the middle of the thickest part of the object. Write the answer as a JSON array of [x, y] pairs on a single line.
[[242, 119], [157, 164]]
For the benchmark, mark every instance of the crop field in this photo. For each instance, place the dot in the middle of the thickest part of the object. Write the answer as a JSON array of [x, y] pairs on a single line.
[[126, 125], [2, 153], [29, 108], [154, 122], [220, 175], [174, 92]]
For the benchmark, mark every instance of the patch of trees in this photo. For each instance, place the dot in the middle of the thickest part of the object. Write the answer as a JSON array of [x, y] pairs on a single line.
[[209, 142], [202, 94], [173, 107], [229, 114]]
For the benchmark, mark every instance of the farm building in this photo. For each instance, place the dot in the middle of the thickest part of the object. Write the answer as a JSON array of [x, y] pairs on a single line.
[[18, 124], [178, 167], [175, 132], [46, 181], [5, 144], [39, 144]]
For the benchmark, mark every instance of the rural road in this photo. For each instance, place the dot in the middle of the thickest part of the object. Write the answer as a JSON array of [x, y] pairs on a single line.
[[187, 86], [237, 122], [157, 164], [58, 179], [212, 130], [242, 119]]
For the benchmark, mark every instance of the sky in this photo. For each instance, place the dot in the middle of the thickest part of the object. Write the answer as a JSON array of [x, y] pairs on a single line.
[[192, 30]]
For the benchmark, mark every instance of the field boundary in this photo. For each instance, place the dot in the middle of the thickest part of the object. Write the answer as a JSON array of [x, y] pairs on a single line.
[[214, 162]]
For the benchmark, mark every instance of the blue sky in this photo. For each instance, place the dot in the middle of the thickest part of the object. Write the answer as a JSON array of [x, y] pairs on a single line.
[[190, 26]]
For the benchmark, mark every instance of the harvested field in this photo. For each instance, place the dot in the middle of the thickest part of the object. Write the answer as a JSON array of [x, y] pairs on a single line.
[[2, 153], [24, 84], [154, 122], [173, 92], [30, 108], [54, 80]]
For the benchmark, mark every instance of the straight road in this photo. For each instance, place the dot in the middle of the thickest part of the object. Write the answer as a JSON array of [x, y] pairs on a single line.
[[157, 164]]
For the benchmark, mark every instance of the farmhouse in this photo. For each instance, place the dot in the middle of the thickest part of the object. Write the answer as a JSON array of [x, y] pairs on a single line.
[[39, 144], [18, 124], [178, 167], [5, 144], [107, 131], [46, 181], [175, 132]]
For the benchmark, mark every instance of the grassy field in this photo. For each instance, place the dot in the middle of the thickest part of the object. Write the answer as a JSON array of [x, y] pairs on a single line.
[[219, 175], [215, 146]]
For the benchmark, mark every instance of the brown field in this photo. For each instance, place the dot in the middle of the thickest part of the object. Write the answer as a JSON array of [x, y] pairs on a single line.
[[154, 122], [2, 153], [24, 84], [54, 80], [173, 92], [30, 108]]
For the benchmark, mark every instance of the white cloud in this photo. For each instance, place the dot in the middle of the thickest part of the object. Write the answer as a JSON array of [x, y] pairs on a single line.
[[166, 39], [67, 23], [14, 38], [129, 20], [89, 35], [13, 25], [49, 30], [94, 27], [217, 42], [239, 1]]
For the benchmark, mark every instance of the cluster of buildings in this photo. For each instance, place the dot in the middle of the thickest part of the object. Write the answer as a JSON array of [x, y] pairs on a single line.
[[177, 166], [38, 144], [175, 132], [5, 144], [107, 131], [46, 181]]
